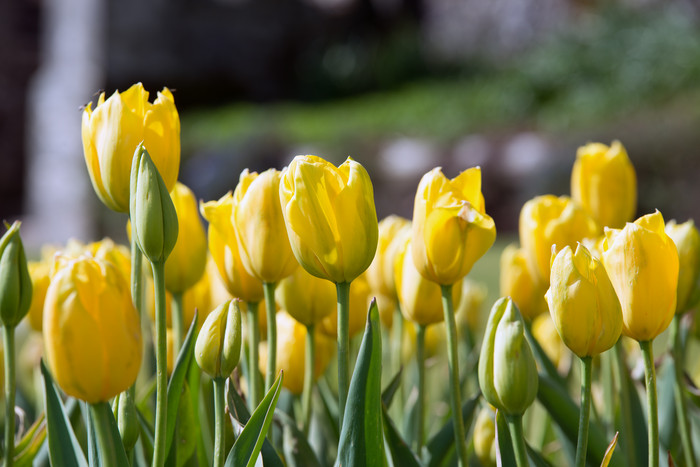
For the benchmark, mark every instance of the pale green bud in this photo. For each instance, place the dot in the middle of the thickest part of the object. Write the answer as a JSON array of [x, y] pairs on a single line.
[[218, 346], [15, 282]]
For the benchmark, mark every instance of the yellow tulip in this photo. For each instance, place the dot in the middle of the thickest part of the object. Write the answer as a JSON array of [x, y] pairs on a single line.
[[544, 330], [115, 127], [420, 298], [583, 303], [485, 437], [603, 182], [291, 349], [306, 298], [39, 272], [118, 255], [218, 346], [185, 265], [549, 220], [199, 298], [259, 226], [330, 217], [92, 334], [516, 282], [380, 273], [359, 306], [687, 240], [223, 247], [387, 309], [468, 305], [451, 229], [642, 262]]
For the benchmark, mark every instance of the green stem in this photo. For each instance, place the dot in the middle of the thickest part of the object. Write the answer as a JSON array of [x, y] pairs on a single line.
[[136, 275], [269, 289], [253, 372], [652, 404], [219, 412], [585, 412], [606, 369], [159, 453], [178, 322], [309, 366], [110, 454], [8, 335], [622, 378], [420, 403], [678, 360], [453, 359], [515, 426], [343, 291]]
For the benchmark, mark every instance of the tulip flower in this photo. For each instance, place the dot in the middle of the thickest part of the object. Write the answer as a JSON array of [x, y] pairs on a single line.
[[332, 227], [516, 282], [39, 273], [603, 182], [544, 330], [485, 437], [90, 299], [507, 370], [112, 131], [111, 252], [306, 298], [380, 274], [687, 240], [549, 220], [642, 262]]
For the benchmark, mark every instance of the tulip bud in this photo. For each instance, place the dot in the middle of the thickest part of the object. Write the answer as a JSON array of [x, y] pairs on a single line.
[[485, 437], [92, 332], [603, 182], [15, 281], [468, 305], [186, 263], [380, 273], [546, 221], [642, 263], [112, 131], [330, 217], [152, 213], [259, 226], [451, 229], [583, 303], [687, 240], [39, 273], [218, 346], [306, 298], [507, 369], [517, 283]]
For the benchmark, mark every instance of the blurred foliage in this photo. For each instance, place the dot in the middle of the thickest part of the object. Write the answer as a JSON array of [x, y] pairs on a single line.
[[612, 62]]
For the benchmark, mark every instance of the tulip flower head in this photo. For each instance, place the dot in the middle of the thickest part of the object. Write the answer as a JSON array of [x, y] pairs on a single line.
[[306, 298], [451, 229], [330, 217], [112, 131], [603, 182], [380, 274], [687, 240], [39, 273], [642, 263], [218, 346], [583, 303], [517, 282], [15, 281]]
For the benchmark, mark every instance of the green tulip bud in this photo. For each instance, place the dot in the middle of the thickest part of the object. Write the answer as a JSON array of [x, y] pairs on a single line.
[[507, 370], [218, 346], [15, 282], [152, 212]]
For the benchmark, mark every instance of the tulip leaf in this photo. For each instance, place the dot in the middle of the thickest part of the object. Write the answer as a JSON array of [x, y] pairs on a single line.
[[146, 435], [177, 383], [401, 454], [541, 357], [631, 420], [504, 445], [28, 447], [250, 441], [609, 451], [391, 388], [565, 414], [239, 416], [442, 444], [330, 406], [297, 451], [64, 448], [109, 443], [668, 420], [361, 436]]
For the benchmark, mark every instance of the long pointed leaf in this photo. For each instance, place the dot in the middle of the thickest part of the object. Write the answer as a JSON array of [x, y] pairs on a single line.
[[391, 388], [361, 437], [109, 443], [64, 448], [441, 445], [401, 454], [247, 447], [504, 445], [28, 447], [297, 451]]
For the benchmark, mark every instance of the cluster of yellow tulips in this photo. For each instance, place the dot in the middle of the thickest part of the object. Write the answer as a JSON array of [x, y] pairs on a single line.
[[273, 291]]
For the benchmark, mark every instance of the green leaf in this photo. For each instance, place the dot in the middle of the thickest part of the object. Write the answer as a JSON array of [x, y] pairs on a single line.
[[361, 437], [633, 444], [441, 445], [401, 454], [330, 406], [247, 447], [565, 414], [668, 421], [504, 445], [109, 443], [64, 448], [297, 451], [541, 357], [28, 447], [177, 382], [185, 439], [391, 388], [146, 436]]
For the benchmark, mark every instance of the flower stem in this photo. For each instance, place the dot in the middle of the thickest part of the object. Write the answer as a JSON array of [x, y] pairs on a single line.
[[453, 359], [219, 430], [677, 354], [584, 414], [269, 289], [253, 373], [515, 426], [420, 403], [161, 365], [178, 322], [110, 455], [8, 335], [652, 404], [620, 368], [309, 367], [343, 291]]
